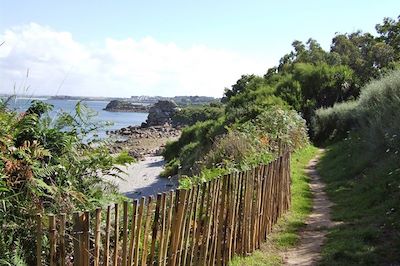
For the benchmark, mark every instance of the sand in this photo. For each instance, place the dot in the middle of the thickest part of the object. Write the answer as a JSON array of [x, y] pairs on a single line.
[[142, 178]]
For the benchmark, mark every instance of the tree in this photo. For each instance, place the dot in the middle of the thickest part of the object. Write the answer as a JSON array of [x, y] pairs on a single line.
[[238, 87], [389, 32], [364, 53]]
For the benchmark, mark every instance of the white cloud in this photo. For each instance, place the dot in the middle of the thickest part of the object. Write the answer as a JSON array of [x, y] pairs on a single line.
[[60, 65]]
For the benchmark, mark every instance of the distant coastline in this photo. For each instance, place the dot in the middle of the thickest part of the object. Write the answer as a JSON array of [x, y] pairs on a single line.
[[145, 100]]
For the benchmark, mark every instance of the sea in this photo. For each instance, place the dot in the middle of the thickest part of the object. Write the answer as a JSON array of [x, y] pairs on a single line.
[[116, 120]]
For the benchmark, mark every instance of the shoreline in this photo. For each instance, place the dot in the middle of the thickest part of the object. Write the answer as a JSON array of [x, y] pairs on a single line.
[[141, 142], [142, 178]]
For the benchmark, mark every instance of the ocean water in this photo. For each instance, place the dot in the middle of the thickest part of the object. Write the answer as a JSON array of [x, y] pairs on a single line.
[[118, 119]]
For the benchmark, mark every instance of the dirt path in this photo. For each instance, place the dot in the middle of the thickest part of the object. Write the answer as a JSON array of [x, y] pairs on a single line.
[[313, 235]]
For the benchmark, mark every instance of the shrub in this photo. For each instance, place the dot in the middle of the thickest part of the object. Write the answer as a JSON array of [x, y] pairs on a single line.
[[228, 150], [334, 122], [277, 126], [256, 141], [190, 115], [379, 113], [193, 143], [171, 168], [374, 115]]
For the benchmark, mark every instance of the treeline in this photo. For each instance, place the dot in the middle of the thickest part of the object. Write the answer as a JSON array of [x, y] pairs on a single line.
[[258, 112]]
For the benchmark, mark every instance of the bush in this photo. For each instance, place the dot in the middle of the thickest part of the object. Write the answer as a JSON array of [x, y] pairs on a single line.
[[277, 126], [171, 168], [194, 142], [379, 113], [228, 150], [190, 115], [374, 115], [256, 141], [335, 122]]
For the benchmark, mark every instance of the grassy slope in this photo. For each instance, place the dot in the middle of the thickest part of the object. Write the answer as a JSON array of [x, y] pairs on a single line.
[[365, 186], [285, 232]]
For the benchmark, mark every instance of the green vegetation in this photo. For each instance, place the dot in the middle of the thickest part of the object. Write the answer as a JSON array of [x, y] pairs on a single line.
[[333, 92], [284, 234], [191, 114], [373, 115], [48, 165], [305, 80], [365, 187], [234, 146], [363, 177], [55, 165]]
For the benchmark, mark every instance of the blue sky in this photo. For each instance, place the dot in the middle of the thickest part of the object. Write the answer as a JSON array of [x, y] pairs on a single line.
[[123, 48]]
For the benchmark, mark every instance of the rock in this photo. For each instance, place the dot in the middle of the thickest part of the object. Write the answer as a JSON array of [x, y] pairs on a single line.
[[125, 106], [161, 113]]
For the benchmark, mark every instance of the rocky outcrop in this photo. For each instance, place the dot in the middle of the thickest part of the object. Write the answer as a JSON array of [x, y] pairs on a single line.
[[141, 142], [125, 106], [161, 113], [152, 132]]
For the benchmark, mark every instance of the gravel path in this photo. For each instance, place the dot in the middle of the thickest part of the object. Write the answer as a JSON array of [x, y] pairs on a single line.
[[314, 234], [142, 178]]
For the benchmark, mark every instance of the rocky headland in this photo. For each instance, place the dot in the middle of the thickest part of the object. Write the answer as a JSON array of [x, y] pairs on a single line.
[[161, 113], [150, 138], [125, 106]]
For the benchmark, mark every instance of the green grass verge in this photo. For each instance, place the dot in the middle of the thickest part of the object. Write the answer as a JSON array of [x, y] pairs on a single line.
[[365, 187], [285, 234]]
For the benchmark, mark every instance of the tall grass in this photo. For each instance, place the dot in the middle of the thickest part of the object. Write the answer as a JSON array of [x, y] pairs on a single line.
[[362, 175], [334, 122], [379, 119], [374, 116]]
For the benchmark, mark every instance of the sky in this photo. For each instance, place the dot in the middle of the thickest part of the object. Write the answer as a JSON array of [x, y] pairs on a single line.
[[123, 48]]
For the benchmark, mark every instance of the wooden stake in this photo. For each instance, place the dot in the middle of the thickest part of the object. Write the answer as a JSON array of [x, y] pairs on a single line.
[[52, 233], [125, 235], [155, 229], [97, 237], [77, 232], [133, 232], [85, 238], [163, 227], [39, 233], [177, 226], [116, 233], [146, 228], [138, 230], [107, 238]]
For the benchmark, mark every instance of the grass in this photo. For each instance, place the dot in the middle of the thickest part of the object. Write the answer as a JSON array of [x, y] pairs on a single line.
[[285, 233], [365, 188]]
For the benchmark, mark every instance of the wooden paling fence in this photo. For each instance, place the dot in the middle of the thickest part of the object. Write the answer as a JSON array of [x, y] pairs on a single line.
[[204, 225]]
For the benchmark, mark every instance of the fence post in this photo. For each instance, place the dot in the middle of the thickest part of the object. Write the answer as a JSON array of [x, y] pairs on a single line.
[[62, 238], [39, 239], [155, 229], [163, 226], [85, 238], [138, 230], [52, 232], [146, 227], [125, 235], [97, 238], [133, 232], [177, 225], [107, 238], [77, 230], [116, 233]]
